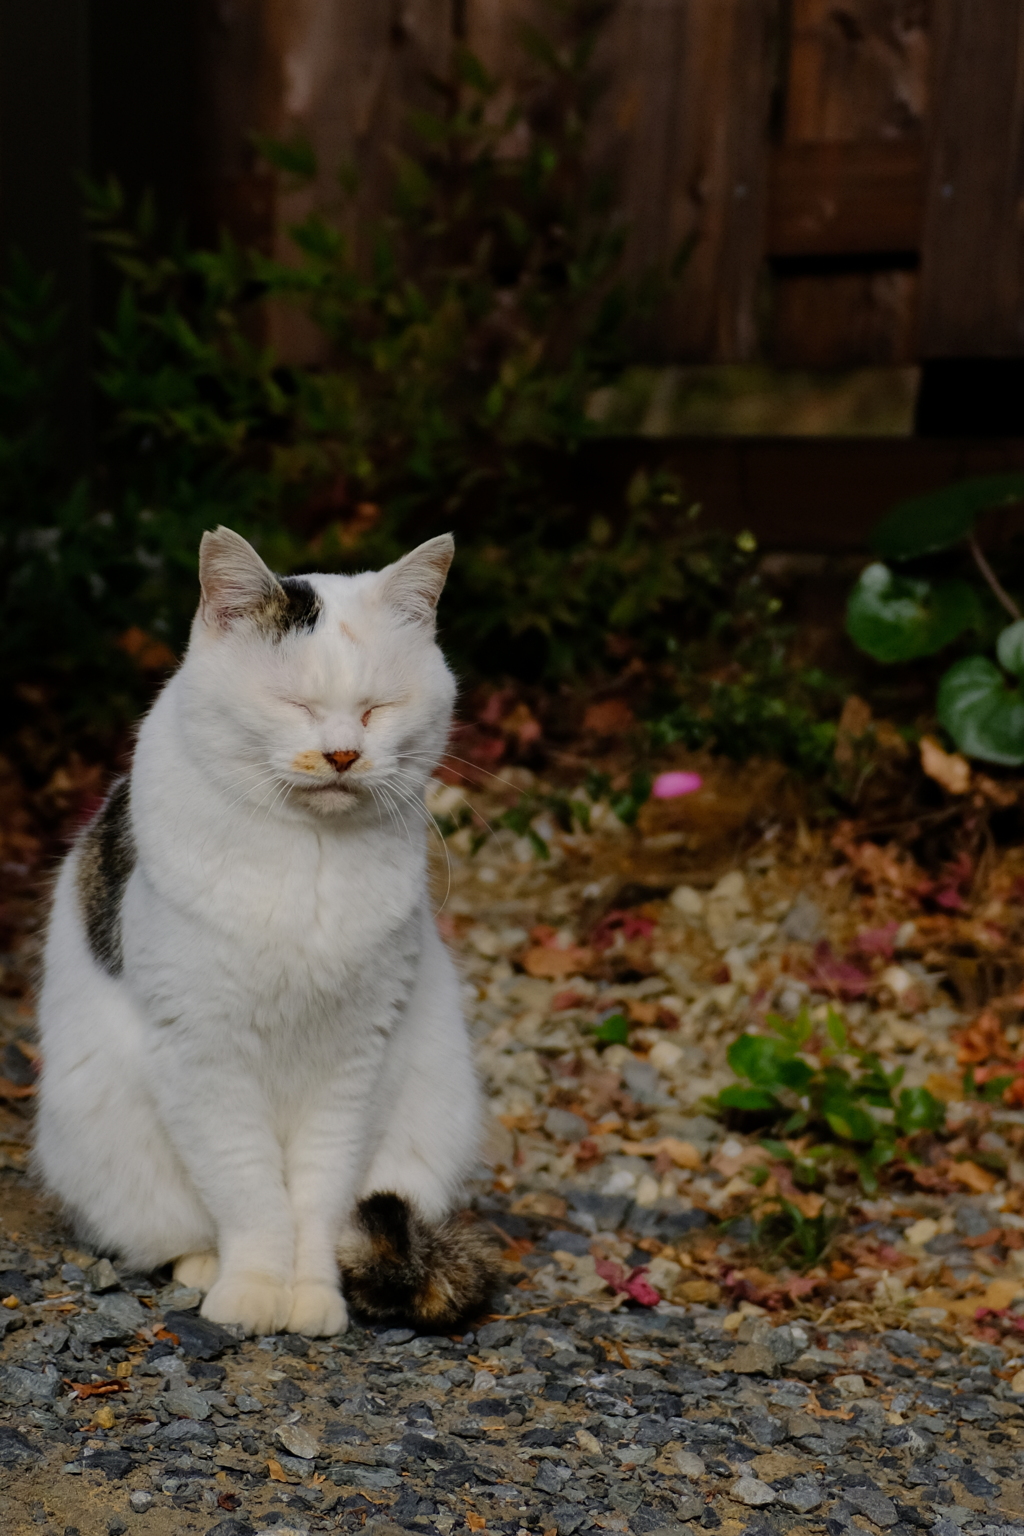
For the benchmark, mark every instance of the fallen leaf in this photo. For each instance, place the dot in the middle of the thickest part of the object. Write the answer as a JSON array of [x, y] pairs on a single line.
[[945, 1086], [538, 1202], [949, 769], [85, 1389], [228, 1501], [277, 1473], [983, 1041], [474, 1521], [980, 1180], [556, 964], [148, 653], [682, 1153], [704, 1291], [840, 977], [609, 717]]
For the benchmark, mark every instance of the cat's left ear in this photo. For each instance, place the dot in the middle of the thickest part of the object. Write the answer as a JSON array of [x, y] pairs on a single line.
[[413, 584], [233, 578]]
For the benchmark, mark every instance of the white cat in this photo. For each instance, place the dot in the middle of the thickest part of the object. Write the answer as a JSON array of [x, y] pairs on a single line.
[[254, 1054]]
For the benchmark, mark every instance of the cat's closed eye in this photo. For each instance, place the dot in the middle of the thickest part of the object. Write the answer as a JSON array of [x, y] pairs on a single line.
[[372, 709], [297, 704]]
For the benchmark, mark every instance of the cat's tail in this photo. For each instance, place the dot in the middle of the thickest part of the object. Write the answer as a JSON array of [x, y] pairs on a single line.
[[429, 1275]]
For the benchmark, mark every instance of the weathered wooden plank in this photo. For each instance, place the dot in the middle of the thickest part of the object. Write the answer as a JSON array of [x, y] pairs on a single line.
[[832, 198], [847, 180], [690, 98], [844, 319], [972, 301], [856, 70]]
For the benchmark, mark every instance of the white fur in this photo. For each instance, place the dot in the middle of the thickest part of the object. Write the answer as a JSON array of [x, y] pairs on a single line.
[[286, 1035]]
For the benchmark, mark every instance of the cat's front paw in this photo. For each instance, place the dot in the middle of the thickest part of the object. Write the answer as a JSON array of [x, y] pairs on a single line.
[[197, 1270], [258, 1303], [317, 1310]]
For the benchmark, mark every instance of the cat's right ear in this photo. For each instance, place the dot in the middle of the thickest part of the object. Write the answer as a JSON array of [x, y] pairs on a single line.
[[234, 581]]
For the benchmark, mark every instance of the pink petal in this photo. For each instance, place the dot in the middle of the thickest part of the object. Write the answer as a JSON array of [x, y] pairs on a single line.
[[639, 1287], [669, 786]]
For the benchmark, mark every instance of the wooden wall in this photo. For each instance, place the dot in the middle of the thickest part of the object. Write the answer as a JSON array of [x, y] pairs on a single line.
[[851, 172]]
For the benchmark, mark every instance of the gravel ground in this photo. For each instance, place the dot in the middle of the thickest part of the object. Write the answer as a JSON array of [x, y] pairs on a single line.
[[871, 1399]]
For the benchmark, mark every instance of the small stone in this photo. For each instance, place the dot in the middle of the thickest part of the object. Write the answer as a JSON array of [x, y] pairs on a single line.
[[563, 1125], [803, 923], [751, 1490], [483, 1381], [753, 1360], [199, 1339], [19, 1386], [246, 1404], [140, 1500], [102, 1276], [396, 1336], [186, 1403], [851, 1386], [872, 1503], [688, 901], [104, 1417], [687, 1464], [494, 1335], [786, 1342], [297, 1441], [549, 1478], [802, 1497]]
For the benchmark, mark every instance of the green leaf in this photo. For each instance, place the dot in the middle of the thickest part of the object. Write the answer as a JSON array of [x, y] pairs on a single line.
[[836, 1029], [928, 523], [759, 1058], [919, 1110], [984, 717], [898, 618], [848, 1120], [735, 1097], [614, 1030], [1010, 648]]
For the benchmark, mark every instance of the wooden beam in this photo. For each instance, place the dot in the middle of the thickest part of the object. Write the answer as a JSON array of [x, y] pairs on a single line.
[[843, 199], [972, 277], [689, 99]]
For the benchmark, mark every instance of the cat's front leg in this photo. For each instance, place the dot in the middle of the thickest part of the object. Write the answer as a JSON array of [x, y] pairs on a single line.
[[323, 1155], [221, 1125]]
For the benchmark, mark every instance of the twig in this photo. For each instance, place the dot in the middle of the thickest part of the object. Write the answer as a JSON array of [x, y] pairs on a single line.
[[993, 580]]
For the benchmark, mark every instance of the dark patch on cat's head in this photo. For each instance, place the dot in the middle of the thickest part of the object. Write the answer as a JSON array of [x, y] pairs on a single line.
[[105, 861], [292, 606]]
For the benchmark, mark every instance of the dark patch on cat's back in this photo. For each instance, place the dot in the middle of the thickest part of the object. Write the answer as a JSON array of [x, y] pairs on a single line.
[[293, 607], [106, 859]]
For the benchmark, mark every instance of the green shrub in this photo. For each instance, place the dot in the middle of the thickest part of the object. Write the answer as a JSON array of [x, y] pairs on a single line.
[[898, 616], [823, 1100]]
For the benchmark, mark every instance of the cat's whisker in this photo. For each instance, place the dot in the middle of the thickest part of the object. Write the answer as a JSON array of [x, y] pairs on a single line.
[[476, 767], [422, 809]]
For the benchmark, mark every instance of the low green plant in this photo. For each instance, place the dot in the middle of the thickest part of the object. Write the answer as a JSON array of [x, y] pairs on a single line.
[[899, 611], [613, 1030], [788, 1234], [847, 1117]]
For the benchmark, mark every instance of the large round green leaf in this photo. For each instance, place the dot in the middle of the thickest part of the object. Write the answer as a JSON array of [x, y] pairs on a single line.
[[1010, 648], [941, 518], [897, 618], [984, 717]]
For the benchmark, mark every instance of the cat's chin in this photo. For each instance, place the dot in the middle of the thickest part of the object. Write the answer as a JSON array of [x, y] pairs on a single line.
[[327, 799]]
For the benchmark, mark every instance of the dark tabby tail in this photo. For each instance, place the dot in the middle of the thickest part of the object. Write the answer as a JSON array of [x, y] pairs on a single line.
[[429, 1276]]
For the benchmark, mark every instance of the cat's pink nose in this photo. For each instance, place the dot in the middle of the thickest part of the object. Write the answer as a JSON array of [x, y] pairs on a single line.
[[341, 762]]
